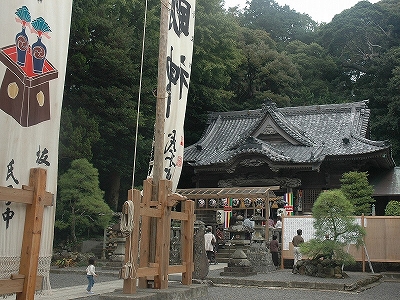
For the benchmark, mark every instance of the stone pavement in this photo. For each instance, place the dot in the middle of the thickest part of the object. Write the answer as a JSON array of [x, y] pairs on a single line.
[[70, 283]]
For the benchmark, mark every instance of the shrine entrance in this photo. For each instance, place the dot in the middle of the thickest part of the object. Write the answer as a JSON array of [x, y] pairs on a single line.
[[214, 206]]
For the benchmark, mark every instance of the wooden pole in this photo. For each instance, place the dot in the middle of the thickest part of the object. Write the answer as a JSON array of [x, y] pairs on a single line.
[[32, 232], [187, 241], [145, 236], [163, 236], [363, 248], [160, 119], [161, 97]]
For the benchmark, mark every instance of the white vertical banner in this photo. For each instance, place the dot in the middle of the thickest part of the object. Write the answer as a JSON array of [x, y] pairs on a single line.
[[33, 54], [179, 63]]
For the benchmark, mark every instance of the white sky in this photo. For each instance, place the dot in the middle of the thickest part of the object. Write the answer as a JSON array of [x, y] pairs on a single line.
[[318, 10]]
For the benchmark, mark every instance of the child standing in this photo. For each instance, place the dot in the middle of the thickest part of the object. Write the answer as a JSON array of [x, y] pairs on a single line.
[[90, 274]]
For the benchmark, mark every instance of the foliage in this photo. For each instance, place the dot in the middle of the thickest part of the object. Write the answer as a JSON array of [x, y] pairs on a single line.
[[240, 58], [392, 208], [216, 59], [265, 73], [358, 191], [80, 206], [281, 22], [102, 83], [332, 218]]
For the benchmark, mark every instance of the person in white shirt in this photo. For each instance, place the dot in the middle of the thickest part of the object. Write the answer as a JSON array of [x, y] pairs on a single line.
[[278, 222], [90, 274], [209, 242]]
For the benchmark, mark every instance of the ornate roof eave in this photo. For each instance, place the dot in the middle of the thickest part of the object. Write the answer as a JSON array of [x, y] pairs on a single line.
[[383, 155], [275, 167], [271, 110]]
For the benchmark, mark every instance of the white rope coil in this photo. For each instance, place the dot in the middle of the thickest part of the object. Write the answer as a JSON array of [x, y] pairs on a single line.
[[126, 224]]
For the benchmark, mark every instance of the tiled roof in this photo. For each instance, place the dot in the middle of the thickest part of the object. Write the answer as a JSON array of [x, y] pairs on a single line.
[[309, 134]]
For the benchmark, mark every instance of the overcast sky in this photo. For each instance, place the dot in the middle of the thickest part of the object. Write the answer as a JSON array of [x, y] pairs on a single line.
[[318, 10]]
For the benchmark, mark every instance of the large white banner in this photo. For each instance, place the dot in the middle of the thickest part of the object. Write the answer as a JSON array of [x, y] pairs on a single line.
[[33, 54], [178, 69]]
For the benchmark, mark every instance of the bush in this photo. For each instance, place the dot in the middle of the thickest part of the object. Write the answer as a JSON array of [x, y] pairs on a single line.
[[392, 208], [334, 228]]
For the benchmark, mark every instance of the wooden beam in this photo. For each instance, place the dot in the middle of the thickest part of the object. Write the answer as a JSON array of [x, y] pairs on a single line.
[[32, 232], [16, 284], [24, 195], [150, 212], [176, 215]]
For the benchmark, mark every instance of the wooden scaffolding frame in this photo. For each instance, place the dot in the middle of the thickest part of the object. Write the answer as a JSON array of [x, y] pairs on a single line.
[[26, 282], [138, 242]]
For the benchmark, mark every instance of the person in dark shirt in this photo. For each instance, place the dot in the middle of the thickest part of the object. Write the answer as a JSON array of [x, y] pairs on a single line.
[[274, 249], [297, 240]]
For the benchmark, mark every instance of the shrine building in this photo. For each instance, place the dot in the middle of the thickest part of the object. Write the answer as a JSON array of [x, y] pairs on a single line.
[[302, 150]]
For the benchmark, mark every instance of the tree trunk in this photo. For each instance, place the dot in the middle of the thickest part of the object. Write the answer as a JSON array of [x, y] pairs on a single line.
[[73, 227], [112, 193]]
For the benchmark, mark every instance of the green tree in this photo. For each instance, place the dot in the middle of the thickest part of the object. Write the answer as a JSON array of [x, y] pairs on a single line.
[[392, 208], [103, 80], [264, 72], [320, 74], [332, 217], [80, 205], [358, 191], [281, 22], [76, 141], [216, 58]]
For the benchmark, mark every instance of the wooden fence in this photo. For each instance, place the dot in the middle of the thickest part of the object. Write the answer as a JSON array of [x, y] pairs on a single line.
[[381, 239]]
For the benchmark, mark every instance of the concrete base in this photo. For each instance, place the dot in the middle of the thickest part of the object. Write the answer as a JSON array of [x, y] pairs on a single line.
[[175, 291]]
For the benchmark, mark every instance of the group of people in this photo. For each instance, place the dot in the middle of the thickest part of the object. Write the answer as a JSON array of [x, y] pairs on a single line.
[[210, 243], [296, 241]]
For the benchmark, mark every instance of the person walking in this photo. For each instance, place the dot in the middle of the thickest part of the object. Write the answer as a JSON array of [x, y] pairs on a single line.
[[90, 274], [274, 249], [209, 242], [297, 240]]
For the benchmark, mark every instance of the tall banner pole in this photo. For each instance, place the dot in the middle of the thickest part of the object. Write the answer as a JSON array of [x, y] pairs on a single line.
[[174, 69]]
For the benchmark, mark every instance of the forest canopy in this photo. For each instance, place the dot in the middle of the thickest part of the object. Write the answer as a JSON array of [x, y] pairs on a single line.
[[241, 58]]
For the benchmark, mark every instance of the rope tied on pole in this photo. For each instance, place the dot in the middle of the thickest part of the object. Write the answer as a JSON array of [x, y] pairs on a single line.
[[126, 228]]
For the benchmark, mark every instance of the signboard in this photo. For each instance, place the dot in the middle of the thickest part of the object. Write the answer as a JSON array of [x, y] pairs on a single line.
[[33, 55]]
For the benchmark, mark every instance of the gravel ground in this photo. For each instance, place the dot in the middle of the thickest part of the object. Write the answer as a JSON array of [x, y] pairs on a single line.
[[376, 291]]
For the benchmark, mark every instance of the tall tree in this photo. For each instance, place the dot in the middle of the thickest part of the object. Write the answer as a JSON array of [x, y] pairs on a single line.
[[322, 79], [216, 58], [358, 191], [264, 72], [102, 79], [80, 206], [281, 22]]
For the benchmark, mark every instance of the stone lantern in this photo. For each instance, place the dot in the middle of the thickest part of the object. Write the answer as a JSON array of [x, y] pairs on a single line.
[[238, 264], [258, 253], [259, 229]]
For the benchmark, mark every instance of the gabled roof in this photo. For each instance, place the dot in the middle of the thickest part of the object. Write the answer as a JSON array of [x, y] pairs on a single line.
[[288, 136]]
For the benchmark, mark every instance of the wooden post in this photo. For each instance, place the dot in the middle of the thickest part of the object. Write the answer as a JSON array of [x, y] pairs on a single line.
[[187, 241], [363, 248], [145, 235], [163, 236], [32, 232], [267, 217], [158, 162]]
